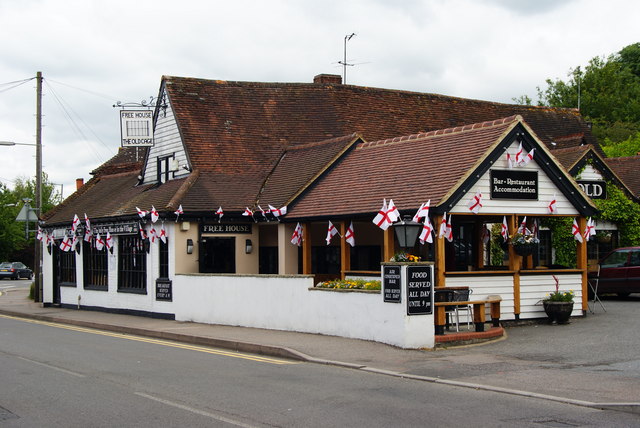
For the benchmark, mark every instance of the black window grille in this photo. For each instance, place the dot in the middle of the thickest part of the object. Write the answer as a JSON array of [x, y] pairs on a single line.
[[164, 259], [95, 267], [132, 264], [68, 268]]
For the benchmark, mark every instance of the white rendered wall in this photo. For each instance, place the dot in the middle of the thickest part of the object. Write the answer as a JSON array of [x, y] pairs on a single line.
[[287, 303]]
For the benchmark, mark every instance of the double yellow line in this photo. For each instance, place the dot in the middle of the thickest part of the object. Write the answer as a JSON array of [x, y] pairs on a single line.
[[231, 354]]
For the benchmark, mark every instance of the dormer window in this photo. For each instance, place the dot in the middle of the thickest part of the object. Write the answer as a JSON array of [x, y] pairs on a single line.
[[165, 166]]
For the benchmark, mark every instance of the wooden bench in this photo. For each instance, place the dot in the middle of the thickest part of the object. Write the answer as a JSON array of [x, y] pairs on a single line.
[[479, 317]]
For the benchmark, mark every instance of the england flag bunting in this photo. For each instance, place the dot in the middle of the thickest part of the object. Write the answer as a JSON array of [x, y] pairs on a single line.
[[350, 236], [142, 213], [108, 242], [423, 212], [504, 231], [509, 161], [75, 224], [263, 212], [522, 229], [296, 237], [99, 243], [219, 213], [39, 234], [394, 214], [65, 244], [154, 214], [277, 212], [387, 215], [331, 232], [528, 158], [575, 230], [163, 234], [519, 154], [50, 241], [475, 204], [449, 230], [152, 234], [248, 213], [426, 235], [88, 235], [590, 230], [74, 242], [442, 232], [178, 212], [143, 233], [553, 205]]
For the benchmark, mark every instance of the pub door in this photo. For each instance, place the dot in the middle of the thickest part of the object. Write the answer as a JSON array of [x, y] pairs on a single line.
[[218, 255]]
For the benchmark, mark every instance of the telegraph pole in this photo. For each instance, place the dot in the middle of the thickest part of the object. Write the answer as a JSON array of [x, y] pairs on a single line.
[[37, 294]]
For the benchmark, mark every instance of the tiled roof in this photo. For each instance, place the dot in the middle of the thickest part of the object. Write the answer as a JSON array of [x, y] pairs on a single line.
[[411, 170], [627, 168], [569, 156]]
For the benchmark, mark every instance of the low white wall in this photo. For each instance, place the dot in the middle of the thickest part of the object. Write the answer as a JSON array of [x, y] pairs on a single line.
[[287, 303]]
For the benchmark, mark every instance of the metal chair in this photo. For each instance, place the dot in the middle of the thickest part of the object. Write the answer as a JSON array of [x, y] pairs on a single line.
[[453, 309]]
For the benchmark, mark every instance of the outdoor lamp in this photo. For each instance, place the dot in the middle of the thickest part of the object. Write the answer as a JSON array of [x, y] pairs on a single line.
[[248, 247], [189, 246], [407, 231]]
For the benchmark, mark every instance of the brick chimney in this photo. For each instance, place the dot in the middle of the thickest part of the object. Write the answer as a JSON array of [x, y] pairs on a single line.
[[332, 79], [79, 183]]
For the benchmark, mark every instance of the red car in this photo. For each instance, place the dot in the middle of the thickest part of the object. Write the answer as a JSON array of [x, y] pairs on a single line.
[[620, 272]]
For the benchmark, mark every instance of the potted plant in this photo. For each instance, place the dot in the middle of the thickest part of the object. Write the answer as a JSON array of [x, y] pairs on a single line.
[[404, 257], [558, 305], [524, 244]]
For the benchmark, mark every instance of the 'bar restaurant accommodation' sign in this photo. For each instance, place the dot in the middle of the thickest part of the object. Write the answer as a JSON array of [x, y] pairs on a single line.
[[511, 184]]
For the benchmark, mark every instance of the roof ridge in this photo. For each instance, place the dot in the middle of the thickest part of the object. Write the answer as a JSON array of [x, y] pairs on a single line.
[[446, 131], [302, 146]]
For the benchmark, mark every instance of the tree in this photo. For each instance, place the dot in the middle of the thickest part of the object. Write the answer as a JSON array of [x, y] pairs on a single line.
[[13, 244], [607, 92]]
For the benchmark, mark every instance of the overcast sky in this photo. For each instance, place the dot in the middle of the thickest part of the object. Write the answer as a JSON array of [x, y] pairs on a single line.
[[95, 53]]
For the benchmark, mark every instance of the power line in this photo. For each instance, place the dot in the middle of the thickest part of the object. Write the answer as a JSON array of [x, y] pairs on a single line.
[[15, 84]]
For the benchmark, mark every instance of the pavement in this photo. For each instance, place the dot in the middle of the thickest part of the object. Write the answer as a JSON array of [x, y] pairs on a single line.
[[591, 362]]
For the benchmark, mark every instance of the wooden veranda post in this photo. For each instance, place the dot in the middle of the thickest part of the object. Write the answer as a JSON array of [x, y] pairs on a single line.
[[389, 245], [581, 263], [345, 251], [439, 256], [514, 266], [306, 248]]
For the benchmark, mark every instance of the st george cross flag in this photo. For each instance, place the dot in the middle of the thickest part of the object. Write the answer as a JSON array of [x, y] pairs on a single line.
[[350, 236], [74, 242], [442, 232], [522, 229], [394, 214], [178, 212], [382, 219], [143, 233], [108, 242], [277, 212], [75, 224], [154, 214], [427, 231], [486, 235], [39, 235], [99, 243], [152, 234], [422, 212], [504, 231], [553, 205], [142, 213], [163, 234], [590, 229], [475, 203], [509, 161], [296, 238], [263, 212], [576, 231], [528, 158], [248, 213], [331, 231], [88, 235], [219, 213], [519, 155], [449, 231], [65, 244]]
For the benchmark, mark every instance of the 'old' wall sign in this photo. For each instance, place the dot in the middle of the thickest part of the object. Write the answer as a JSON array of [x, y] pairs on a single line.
[[594, 189], [512, 184]]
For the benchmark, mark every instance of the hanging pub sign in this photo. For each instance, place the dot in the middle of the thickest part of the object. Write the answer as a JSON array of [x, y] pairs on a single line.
[[594, 189], [391, 282], [419, 290], [136, 128], [512, 184], [225, 228]]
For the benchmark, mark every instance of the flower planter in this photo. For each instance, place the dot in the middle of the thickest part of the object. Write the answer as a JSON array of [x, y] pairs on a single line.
[[525, 249], [558, 312]]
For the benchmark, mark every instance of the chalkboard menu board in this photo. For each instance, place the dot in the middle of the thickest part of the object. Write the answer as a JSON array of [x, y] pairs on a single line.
[[391, 283], [419, 290], [164, 290]]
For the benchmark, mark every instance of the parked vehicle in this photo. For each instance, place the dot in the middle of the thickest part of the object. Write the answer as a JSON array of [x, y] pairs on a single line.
[[619, 272], [15, 270]]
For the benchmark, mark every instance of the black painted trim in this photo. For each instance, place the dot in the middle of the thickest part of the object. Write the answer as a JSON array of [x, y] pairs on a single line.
[[156, 315]]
